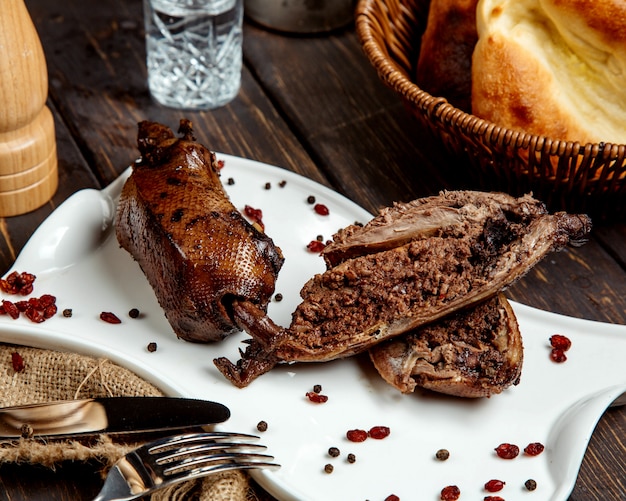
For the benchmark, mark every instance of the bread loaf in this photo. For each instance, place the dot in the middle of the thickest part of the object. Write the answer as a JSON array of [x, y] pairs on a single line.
[[445, 59], [554, 68]]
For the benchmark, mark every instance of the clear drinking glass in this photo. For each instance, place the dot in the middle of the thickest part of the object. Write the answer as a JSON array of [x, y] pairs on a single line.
[[194, 52]]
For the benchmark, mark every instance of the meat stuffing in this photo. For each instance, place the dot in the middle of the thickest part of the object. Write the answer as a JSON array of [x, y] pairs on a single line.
[[412, 265], [475, 352], [197, 251]]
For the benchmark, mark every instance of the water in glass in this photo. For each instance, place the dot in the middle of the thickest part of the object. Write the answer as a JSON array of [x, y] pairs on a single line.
[[193, 51]]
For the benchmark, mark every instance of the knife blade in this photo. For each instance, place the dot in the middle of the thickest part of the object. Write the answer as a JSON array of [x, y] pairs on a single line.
[[111, 415]]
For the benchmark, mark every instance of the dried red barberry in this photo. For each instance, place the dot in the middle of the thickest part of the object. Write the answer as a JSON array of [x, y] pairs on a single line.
[[507, 451], [315, 246], [255, 215], [220, 164], [533, 449], [316, 397], [392, 497], [17, 361], [10, 309], [494, 485], [558, 356], [379, 432], [110, 318], [356, 435], [34, 315], [450, 493], [561, 342], [22, 306], [493, 498], [321, 209], [18, 283]]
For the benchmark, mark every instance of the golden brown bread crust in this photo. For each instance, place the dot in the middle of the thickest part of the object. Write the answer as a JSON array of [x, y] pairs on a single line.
[[445, 59], [552, 68]]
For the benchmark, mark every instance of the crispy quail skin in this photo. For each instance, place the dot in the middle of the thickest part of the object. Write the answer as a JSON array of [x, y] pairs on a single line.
[[197, 251]]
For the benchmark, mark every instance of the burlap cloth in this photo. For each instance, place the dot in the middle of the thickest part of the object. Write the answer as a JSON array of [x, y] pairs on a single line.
[[51, 375]]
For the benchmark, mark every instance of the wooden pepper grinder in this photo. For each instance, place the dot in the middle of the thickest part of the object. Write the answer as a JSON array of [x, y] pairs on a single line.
[[28, 158]]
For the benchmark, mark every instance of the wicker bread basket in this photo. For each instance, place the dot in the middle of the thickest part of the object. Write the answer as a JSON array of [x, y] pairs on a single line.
[[566, 175]]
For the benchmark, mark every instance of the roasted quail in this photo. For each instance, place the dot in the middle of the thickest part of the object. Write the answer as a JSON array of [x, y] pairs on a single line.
[[412, 265], [197, 251]]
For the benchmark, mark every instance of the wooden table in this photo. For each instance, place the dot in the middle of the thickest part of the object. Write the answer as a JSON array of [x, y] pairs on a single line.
[[312, 105]]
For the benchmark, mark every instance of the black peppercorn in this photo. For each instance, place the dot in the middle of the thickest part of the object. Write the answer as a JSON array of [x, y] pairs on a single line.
[[442, 454], [530, 484]]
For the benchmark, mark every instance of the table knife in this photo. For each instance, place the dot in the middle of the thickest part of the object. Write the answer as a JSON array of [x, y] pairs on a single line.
[[111, 415]]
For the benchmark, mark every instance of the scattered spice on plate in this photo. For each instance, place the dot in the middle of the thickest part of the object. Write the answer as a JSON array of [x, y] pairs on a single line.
[[268, 186], [315, 246], [310, 199], [67, 312], [534, 449], [507, 451], [316, 398], [328, 468], [450, 493], [530, 484], [356, 435], [255, 215], [17, 362], [560, 344], [220, 164], [133, 313], [261, 426], [351, 458], [152, 347], [333, 452], [278, 297], [379, 432], [10, 308], [442, 454], [230, 181], [317, 388], [558, 356], [110, 318], [493, 498], [18, 283], [36, 309], [392, 497], [282, 184], [321, 209], [494, 485]]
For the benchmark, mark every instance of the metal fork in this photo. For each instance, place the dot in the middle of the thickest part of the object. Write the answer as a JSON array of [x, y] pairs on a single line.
[[171, 460]]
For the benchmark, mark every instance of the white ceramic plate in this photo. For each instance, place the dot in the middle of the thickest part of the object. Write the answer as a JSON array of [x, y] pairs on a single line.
[[76, 257]]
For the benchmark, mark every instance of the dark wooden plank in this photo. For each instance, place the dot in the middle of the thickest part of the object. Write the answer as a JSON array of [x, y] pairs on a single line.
[[95, 56], [355, 128]]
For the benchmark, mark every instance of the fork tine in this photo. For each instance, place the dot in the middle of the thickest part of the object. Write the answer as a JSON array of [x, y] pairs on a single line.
[[210, 462], [178, 441], [165, 456]]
